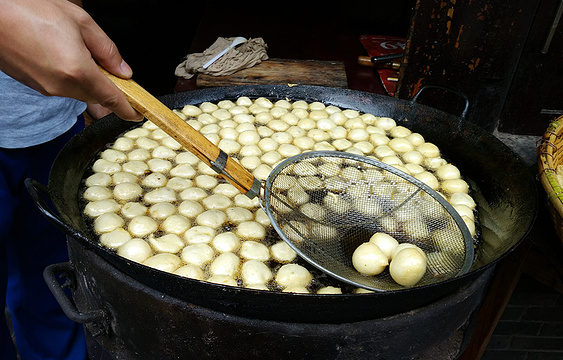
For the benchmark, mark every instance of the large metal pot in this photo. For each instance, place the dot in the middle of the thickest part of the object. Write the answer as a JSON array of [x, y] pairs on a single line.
[[503, 188]]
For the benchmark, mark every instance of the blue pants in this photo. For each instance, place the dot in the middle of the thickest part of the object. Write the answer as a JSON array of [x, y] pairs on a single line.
[[28, 243]]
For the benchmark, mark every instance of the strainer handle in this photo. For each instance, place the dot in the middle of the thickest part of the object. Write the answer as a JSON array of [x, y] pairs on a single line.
[[187, 136]]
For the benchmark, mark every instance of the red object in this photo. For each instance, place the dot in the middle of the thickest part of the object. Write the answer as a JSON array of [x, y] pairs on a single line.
[[377, 45]]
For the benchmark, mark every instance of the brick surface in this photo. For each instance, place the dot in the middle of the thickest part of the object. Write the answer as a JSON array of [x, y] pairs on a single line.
[[505, 355], [537, 343], [518, 328]]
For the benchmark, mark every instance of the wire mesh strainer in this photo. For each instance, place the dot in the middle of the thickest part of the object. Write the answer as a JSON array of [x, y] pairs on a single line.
[[324, 204]]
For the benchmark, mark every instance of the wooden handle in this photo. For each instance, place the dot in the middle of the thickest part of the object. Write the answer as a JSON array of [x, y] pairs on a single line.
[[365, 61], [154, 110]]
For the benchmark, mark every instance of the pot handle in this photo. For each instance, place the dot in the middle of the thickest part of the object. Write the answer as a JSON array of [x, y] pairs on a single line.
[[38, 192], [98, 318], [463, 114]]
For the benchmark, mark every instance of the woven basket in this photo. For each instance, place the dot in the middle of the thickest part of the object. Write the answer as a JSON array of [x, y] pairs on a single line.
[[550, 155]]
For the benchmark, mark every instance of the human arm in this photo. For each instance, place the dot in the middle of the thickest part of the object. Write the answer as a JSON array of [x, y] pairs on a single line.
[[53, 46]]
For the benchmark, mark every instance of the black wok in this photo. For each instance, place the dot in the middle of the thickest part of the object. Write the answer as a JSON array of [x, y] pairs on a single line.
[[502, 186]]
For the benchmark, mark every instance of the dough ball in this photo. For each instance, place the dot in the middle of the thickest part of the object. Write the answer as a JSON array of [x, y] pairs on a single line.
[[282, 252], [408, 267], [98, 179], [237, 215], [127, 191], [212, 218], [137, 250], [164, 262], [190, 208], [176, 224], [161, 210], [217, 202], [454, 186], [190, 271], [169, 243], [163, 194], [141, 226], [329, 290], [222, 280], [254, 250], [368, 259], [226, 242], [95, 193], [106, 167], [155, 180], [108, 222], [385, 242], [199, 234], [197, 254], [293, 275], [115, 238], [132, 209], [194, 194], [255, 272], [225, 264]]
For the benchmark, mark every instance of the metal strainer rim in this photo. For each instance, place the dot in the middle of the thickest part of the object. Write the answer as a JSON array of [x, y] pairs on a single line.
[[266, 206]]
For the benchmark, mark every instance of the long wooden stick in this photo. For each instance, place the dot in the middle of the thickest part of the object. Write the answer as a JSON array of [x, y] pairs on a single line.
[[154, 110]]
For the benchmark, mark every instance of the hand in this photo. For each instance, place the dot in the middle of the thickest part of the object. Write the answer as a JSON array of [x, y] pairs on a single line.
[[52, 46]]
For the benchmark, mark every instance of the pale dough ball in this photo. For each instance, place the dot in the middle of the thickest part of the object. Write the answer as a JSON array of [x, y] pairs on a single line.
[[413, 157], [190, 271], [206, 181], [136, 133], [336, 203], [228, 133], [338, 132], [161, 210], [385, 242], [358, 134], [186, 157], [296, 132], [212, 218], [282, 252], [154, 180], [98, 179], [137, 250], [115, 238], [288, 150], [293, 275], [416, 229], [108, 222], [123, 144], [199, 234], [249, 137], [364, 146], [251, 230], [254, 250], [454, 186], [132, 209], [113, 155], [296, 231], [106, 167], [282, 137], [208, 107], [428, 150], [221, 114], [297, 196], [385, 123], [460, 198], [226, 189], [429, 179], [176, 224], [217, 202], [146, 143], [378, 139], [231, 147], [262, 218], [465, 211], [313, 211], [197, 254], [243, 201], [190, 208], [243, 118], [339, 118], [278, 125], [193, 193], [262, 171], [163, 194], [164, 262], [226, 242], [399, 132], [383, 150], [222, 280], [237, 215], [169, 243], [267, 145], [225, 264], [400, 145], [255, 272], [163, 152], [414, 169], [329, 290], [251, 162], [448, 172], [434, 163], [141, 226], [271, 157], [179, 184], [306, 123], [191, 110], [278, 112], [139, 155], [408, 267], [296, 289], [95, 193], [136, 167], [257, 287], [355, 123], [368, 259], [342, 144], [127, 191]]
